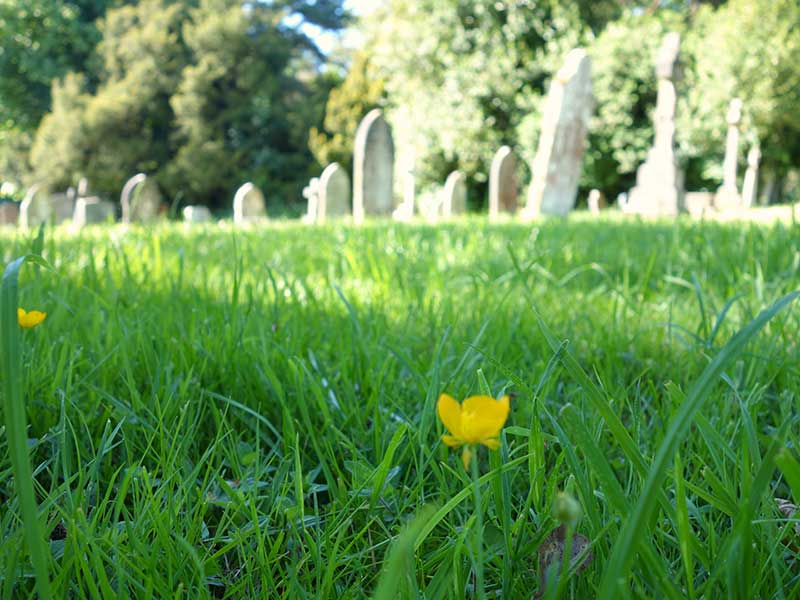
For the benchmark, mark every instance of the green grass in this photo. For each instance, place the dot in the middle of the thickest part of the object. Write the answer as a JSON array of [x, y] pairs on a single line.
[[221, 414]]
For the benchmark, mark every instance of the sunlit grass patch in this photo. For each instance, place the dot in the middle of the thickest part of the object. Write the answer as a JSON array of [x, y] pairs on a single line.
[[243, 414]]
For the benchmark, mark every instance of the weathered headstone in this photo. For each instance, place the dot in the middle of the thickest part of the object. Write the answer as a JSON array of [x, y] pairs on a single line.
[[454, 195], [750, 185], [35, 208], [9, 213], [311, 194], [565, 124], [126, 197], [249, 205], [503, 190], [140, 199], [659, 181], [596, 201], [63, 207], [728, 193], [146, 202], [92, 210], [196, 214], [334, 193], [373, 167]]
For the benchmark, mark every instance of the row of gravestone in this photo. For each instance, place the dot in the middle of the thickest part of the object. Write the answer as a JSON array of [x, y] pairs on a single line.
[[556, 166], [556, 169], [140, 201]]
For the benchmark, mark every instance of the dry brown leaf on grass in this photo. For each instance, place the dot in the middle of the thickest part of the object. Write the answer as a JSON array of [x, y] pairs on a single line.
[[551, 553], [789, 510]]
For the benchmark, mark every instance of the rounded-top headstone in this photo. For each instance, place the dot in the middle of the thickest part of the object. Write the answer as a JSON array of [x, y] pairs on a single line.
[[334, 193], [248, 204], [503, 190], [126, 197], [373, 167], [455, 194], [35, 208]]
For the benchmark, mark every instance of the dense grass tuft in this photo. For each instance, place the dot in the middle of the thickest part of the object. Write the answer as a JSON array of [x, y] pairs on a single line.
[[231, 414]]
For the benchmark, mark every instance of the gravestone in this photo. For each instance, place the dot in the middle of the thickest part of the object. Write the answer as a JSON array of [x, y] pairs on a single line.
[[454, 195], [249, 205], [728, 194], [196, 214], [140, 199], [311, 194], [35, 208], [9, 213], [125, 198], [92, 210], [334, 193], [62, 206], [83, 187], [596, 201], [750, 185], [373, 167], [503, 189], [659, 181], [565, 124]]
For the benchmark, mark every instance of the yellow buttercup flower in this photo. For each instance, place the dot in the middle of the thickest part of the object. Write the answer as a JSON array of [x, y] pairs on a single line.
[[27, 320], [478, 420]]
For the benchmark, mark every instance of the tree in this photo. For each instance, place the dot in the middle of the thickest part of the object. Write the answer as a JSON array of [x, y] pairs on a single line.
[[465, 77], [361, 91], [42, 40], [749, 49], [201, 95]]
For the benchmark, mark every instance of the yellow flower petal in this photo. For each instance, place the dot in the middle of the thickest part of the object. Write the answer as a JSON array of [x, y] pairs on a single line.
[[450, 413], [482, 417], [30, 319], [451, 441], [491, 443], [466, 457]]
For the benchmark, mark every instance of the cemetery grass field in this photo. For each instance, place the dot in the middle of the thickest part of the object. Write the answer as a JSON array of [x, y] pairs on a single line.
[[216, 413]]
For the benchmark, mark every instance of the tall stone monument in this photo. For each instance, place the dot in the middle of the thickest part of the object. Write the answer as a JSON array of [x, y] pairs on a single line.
[[334, 193], [659, 181], [503, 190], [565, 125], [454, 199], [373, 167], [727, 195], [750, 185], [249, 205]]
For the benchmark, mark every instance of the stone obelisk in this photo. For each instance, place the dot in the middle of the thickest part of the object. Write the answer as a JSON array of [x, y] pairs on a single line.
[[659, 181]]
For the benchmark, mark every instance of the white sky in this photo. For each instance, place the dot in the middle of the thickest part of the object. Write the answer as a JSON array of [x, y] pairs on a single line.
[[351, 38]]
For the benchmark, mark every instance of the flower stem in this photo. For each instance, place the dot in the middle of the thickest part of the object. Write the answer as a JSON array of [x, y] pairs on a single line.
[[480, 593]]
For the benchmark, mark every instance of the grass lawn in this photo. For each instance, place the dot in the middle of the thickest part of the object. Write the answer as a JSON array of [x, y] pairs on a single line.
[[252, 414]]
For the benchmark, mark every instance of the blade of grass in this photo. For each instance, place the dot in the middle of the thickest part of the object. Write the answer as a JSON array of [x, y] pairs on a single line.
[[16, 422], [637, 525]]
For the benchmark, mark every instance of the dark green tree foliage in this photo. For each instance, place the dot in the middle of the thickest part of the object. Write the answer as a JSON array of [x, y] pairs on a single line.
[[42, 40], [203, 95]]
